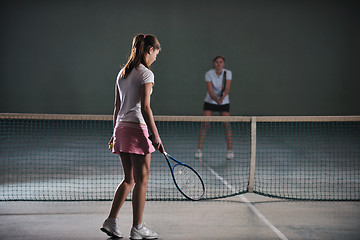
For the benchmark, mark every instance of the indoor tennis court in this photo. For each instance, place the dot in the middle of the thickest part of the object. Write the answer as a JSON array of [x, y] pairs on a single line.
[[300, 187], [294, 128]]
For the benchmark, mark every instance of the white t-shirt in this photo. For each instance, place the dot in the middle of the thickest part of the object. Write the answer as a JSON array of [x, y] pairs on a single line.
[[217, 83], [129, 91]]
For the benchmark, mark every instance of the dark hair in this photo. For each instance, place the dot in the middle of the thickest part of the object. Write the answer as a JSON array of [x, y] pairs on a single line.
[[140, 46], [217, 57]]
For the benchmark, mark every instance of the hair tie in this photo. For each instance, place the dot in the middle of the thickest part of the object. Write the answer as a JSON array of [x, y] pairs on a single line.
[[144, 36]]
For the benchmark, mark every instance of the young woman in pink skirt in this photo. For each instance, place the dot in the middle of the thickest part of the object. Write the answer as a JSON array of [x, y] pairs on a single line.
[[132, 119]]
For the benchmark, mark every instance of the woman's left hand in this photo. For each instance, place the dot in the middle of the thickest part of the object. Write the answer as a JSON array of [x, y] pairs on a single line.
[[157, 143]]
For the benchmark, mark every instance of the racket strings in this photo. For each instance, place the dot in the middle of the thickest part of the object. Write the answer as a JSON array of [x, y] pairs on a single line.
[[188, 181]]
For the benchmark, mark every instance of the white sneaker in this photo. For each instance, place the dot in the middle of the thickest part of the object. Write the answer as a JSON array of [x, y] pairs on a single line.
[[230, 155], [198, 154], [143, 233], [110, 227]]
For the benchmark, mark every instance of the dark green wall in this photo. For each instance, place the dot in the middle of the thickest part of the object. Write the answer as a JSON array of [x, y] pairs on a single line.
[[287, 57]]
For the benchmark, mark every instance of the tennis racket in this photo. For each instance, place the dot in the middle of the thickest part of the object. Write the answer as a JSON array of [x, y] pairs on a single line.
[[186, 179], [224, 84]]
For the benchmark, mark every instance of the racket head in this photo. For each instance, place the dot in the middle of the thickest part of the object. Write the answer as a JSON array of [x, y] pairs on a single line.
[[187, 180]]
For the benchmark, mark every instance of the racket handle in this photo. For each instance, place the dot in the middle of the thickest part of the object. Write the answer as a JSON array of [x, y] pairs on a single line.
[[161, 149]]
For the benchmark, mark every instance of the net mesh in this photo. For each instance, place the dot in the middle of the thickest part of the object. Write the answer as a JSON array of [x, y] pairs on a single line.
[[308, 160], [55, 157]]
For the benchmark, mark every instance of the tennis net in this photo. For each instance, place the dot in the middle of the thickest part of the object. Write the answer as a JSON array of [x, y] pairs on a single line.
[[65, 157]]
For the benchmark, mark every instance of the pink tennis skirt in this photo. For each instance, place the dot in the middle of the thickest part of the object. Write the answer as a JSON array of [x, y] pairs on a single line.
[[132, 138]]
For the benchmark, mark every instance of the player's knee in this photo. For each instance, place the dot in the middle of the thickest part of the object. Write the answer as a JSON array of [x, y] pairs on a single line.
[[129, 181], [142, 178]]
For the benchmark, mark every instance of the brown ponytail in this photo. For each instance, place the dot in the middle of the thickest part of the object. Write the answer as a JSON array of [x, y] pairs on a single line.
[[140, 46]]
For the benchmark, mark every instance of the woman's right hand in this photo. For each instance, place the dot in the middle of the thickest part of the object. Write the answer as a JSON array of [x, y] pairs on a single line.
[[111, 139], [220, 100], [111, 143]]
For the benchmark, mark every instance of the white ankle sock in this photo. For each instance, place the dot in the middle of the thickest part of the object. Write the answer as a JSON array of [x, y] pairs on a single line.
[[138, 227]]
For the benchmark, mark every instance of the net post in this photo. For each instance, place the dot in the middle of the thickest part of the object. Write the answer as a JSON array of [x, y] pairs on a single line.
[[251, 181]]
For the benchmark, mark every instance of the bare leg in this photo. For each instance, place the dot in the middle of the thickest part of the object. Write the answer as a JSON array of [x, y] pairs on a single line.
[[204, 128], [141, 170], [124, 187], [227, 130]]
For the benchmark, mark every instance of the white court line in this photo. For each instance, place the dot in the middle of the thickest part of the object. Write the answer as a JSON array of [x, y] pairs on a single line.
[[250, 205]]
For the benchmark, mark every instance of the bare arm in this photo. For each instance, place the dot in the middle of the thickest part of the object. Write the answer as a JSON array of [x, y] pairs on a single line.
[[227, 89], [211, 93], [117, 104], [148, 115]]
